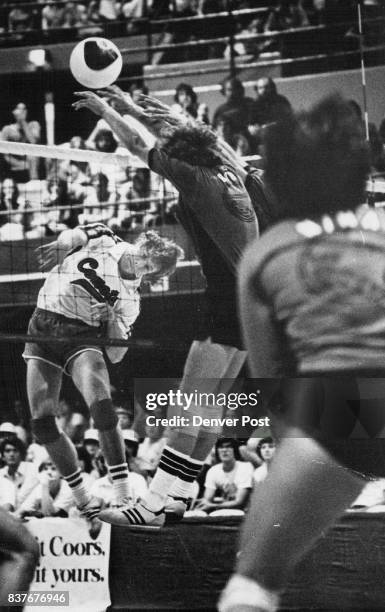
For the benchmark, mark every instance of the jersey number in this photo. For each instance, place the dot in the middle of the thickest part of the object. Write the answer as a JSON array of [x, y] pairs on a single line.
[[94, 284]]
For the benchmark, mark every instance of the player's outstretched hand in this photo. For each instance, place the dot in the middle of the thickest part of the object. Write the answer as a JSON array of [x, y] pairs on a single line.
[[153, 103], [89, 99], [123, 103], [50, 255]]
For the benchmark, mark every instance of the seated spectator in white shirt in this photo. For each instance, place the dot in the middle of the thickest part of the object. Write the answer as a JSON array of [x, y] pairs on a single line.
[[22, 475], [7, 495], [151, 448], [265, 450], [102, 487], [51, 497], [228, 484]]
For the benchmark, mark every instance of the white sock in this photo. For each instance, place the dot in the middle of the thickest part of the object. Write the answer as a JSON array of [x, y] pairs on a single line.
[[78, 488], [183, 489], [120, 484], [173, 465], [247, 592]]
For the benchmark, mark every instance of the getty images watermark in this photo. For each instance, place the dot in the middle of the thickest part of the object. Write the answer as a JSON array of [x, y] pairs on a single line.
[[168, 406]]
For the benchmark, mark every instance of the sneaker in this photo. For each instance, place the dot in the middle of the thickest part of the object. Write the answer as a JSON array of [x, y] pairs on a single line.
[[135, 516], [175, 509], [90, 511]]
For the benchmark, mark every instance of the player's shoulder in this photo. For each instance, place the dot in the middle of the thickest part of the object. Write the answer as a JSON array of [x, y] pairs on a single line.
[[99, 230], [277, 238]]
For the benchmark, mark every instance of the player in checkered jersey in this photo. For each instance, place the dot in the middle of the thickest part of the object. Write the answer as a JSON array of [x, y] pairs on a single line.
[[91, 292]]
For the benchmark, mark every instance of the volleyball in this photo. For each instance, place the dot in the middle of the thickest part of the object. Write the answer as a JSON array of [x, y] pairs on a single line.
[[96, 62]]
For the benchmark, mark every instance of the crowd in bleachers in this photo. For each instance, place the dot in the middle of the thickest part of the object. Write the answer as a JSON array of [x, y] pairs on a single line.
[[41, 199], [30, 484], [61, 21]]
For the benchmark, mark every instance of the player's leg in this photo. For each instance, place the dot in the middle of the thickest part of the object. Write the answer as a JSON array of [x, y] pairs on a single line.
[[19, 555], [223, 364], [306, 490], [43, 388], [90, 375], [207, 365]]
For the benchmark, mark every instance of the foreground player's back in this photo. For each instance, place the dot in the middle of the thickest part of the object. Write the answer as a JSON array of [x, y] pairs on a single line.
[[323, 282]]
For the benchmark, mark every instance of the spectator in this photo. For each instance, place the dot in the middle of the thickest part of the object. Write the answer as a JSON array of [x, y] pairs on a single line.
[[20, 474], [52, 16], [237, 107], [20, 19], [91, 442], [36, 454], [268, 107], [131, 442], [133, 212], [136, 90], [203, 113], [151, 448], [185, 101], [265, 450], [51, 497], [286, 15], [124, 417], [22, 130], [228, 484], [7, 430]]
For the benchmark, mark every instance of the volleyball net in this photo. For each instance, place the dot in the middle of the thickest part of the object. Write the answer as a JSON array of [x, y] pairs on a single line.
[[45, 190]]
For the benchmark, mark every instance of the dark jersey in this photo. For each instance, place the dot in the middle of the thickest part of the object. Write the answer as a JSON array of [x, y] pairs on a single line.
[[324, 283], [214, 204], [262, 199]]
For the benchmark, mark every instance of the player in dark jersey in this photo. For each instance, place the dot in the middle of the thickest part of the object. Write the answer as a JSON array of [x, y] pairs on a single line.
[[313, 310], [19, 556], [216, 212], [92, 293]]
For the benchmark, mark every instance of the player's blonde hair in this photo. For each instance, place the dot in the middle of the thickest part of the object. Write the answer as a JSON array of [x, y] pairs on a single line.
[[163, 252]]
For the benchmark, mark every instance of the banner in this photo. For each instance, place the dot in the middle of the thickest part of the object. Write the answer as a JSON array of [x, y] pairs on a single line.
[[70, 560]]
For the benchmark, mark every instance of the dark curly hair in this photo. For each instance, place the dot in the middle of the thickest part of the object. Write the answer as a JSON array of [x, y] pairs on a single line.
[[227, 442], [194, 144], [16, 443], [317, 161]]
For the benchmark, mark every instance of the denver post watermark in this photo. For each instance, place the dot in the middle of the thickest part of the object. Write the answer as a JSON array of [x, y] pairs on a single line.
[[167, 405]]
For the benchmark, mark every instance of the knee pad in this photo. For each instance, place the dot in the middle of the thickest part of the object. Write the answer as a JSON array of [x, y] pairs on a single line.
[[104, 415], [45, 429]]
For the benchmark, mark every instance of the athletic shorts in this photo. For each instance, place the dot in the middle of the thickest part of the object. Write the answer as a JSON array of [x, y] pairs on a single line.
[[46, 323], [341, 416], [220, 321]]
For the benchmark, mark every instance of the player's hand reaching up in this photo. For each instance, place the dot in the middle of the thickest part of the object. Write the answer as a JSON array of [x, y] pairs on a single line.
[[122, 101], [50, 255], [159, 110], [89, 99]]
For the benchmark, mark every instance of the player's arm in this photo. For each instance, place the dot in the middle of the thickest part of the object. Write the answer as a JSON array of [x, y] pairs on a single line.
[[259, 333], [241, 498], [54, 253], [151, 113], [206, 503], [127, 134]]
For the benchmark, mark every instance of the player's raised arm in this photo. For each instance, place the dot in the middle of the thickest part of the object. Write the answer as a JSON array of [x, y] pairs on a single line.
[[127, 134], [53, 253]]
